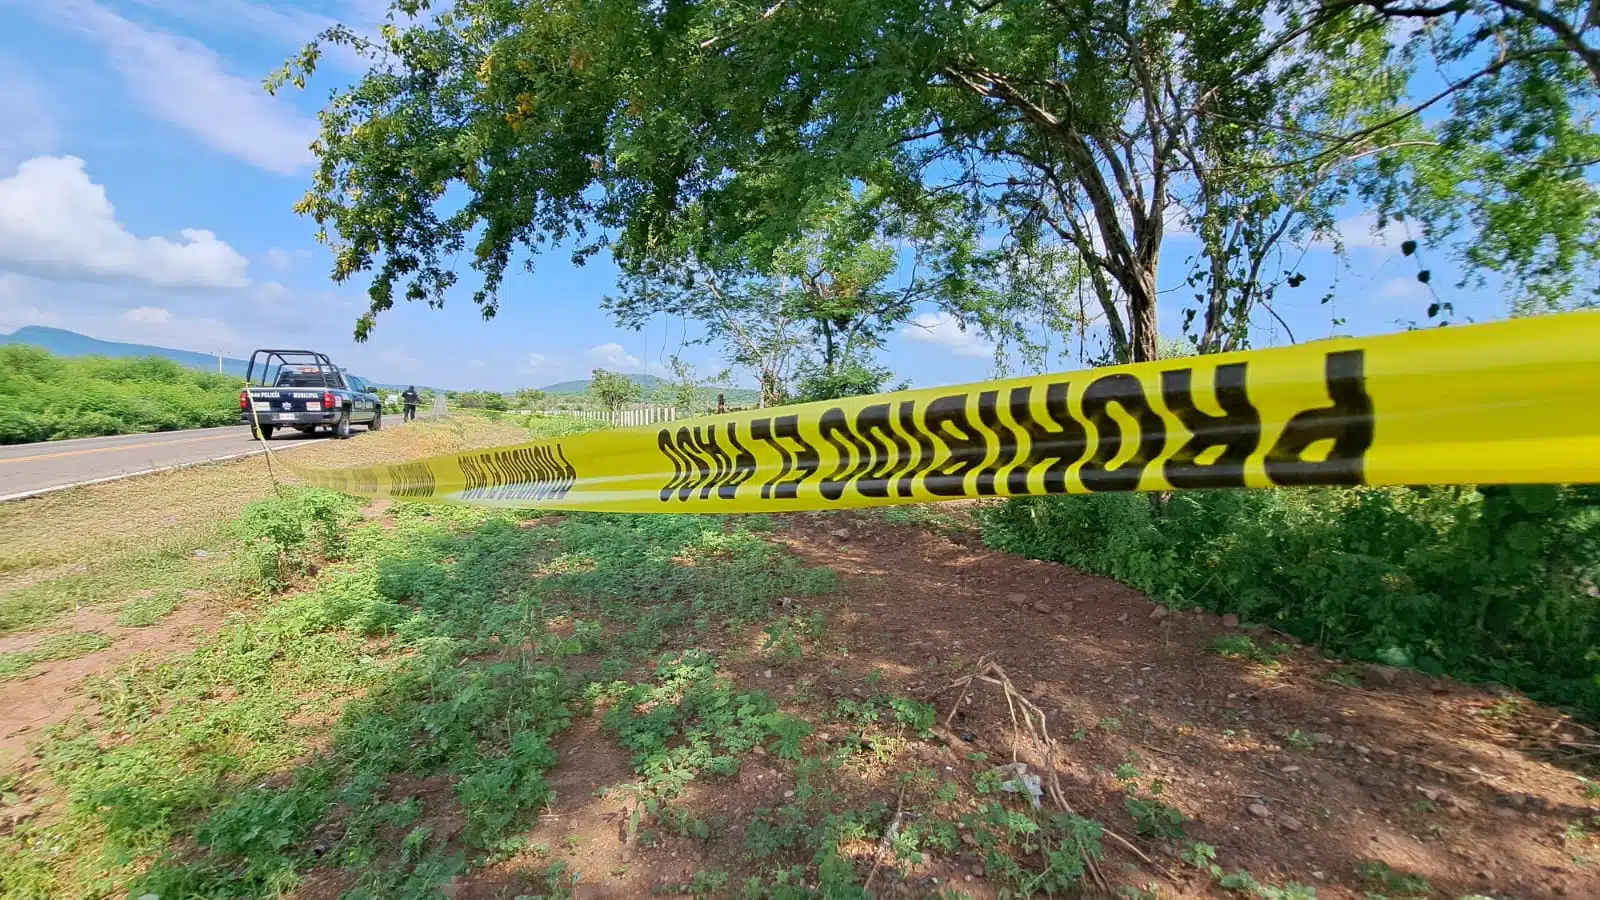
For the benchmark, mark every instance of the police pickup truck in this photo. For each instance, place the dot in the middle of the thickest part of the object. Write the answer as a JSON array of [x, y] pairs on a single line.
[[304, 390]]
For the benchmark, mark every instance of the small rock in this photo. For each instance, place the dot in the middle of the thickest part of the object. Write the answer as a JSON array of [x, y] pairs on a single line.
[[1159, 613], [201, 554], [1230, 621], [788, 794], [786, 602], [1122, 618], [759, 750], [977, 871], [1017, 600], [968, 839], [767, 674], [1290, 822], [1259, 810], [1363, 750], [1040, 607], [1386, 674], [966, 878], [1319, 875], [1432, 793], [841, 533], [1289, 770]]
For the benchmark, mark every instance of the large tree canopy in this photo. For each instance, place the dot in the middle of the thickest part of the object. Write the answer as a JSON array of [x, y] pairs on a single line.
[[711, 130]]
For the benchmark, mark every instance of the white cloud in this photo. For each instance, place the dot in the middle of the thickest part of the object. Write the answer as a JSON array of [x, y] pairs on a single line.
[[537, 360], [281, 24], [943, 330], [1359, 232], [29, 115], [56, 223], [1402, 289], [612, 356], [183, 82], [147, 315], [279, 259]]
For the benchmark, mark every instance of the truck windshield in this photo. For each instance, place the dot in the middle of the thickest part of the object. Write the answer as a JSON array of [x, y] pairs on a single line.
[[294, 378]]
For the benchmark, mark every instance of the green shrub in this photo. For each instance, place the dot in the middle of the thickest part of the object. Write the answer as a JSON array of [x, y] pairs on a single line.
[[1489, 583], [44, 397], [285, 535]]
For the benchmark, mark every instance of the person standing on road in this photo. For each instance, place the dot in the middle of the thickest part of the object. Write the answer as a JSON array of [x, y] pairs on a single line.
[[411, 399]]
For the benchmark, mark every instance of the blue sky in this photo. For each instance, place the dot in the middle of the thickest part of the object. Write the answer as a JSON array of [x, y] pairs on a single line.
[[145, 190]]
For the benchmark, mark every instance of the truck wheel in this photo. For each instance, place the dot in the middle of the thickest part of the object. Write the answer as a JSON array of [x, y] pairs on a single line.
[[264, 433], [377, 421], [341, 428]]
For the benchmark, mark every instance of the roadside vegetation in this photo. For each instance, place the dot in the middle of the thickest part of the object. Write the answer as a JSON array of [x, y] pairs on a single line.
[[1493, 583], [45, 397]]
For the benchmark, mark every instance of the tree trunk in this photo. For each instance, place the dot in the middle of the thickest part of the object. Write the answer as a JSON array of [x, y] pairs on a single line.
[[1143, 330]]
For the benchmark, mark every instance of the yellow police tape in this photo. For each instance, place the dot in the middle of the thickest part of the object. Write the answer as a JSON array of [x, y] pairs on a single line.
[[1510, 402]]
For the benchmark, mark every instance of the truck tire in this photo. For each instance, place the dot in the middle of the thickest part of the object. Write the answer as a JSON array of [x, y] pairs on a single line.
[[377, 421], [264, 433], [341, 428]]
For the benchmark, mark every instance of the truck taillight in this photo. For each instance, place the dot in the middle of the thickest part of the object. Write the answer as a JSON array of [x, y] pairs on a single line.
[[244, 399], [327, 400]]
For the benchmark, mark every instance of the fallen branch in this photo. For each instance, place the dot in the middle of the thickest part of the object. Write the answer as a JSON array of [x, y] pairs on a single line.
[[888, 839], [1038, 732]]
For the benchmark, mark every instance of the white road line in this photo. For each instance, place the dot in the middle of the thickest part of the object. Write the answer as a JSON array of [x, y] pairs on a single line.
[[37, 492]]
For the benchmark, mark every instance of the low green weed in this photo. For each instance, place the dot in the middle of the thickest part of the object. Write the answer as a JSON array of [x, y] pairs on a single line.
[[1391, 883], [56, 646], [145, 611], [421, 651], [1244, 883], [1239, 646], [284, 536]]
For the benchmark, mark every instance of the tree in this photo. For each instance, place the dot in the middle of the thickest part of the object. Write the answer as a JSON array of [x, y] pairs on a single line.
[[1088, 128], [822, 301], [614, 390], [529, 398], [684, 389]]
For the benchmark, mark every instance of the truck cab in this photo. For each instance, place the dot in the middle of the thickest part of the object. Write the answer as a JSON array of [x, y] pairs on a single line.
[[304, 390]]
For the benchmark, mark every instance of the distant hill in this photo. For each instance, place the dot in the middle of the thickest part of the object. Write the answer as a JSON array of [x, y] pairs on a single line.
[[70, 343], [734, 396], [648, 382]]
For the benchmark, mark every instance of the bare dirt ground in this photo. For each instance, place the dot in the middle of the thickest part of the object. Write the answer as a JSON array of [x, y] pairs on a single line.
[[1357, 791]]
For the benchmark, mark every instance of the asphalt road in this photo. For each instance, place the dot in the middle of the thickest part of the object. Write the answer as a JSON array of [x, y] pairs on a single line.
[[30, 469]]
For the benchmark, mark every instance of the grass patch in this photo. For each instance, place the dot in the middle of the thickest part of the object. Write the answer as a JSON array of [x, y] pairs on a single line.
[[57, 646], [146, 611], [427, 650]]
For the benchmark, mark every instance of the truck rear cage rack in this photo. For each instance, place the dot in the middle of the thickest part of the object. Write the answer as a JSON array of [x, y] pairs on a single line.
[[272, 363]]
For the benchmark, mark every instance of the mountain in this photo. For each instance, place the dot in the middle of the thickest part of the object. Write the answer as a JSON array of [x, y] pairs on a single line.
[[70, 343], [648, 382]]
